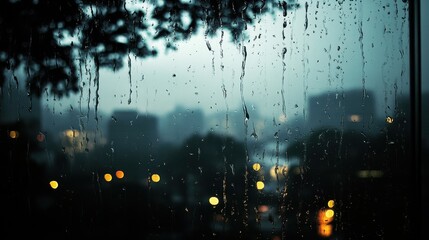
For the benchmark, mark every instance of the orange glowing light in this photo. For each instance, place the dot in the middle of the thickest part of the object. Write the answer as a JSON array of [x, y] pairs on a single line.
[[331, 203], [325, 230], [108, 177], [14, 134], [119, 174], [325, 216]]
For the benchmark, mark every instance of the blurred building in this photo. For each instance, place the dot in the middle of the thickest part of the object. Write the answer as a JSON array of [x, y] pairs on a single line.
[[20, 123], [351, 110], [180, 124], [17, 106], [133, 140]]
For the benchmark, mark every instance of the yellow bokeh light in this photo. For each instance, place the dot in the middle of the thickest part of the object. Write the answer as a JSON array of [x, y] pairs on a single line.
[[72, 133], [256, 166], [108, 177], [13, 134], [119, 174], [279, 172], [331, 203], [260, 185], [214, 201], [389, 119], [53, 184], [329, 213], [155, 177]]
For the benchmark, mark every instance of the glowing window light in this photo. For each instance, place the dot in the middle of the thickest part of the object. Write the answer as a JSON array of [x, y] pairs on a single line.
[[325, 230], [108, 177], [14, 134], [370, 173], [155, 177], [119, 174], [260, 185], [355, 118], [214, 201], [389, 119], [331, 203], [325, 216], [71, 133], [279, 172], [53, 184], [256, 166]]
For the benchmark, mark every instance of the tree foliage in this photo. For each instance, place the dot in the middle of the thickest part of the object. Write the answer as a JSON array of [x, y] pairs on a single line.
[[49, 39]]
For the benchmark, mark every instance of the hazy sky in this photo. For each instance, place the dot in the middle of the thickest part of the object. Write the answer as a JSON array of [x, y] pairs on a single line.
[[344, 46]]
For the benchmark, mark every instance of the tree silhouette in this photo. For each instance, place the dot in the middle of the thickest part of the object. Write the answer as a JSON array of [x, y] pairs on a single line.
[[50, 40]]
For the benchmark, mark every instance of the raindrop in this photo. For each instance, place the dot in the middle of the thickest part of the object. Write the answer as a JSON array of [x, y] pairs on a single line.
[[276, 135], [209, 46], [306, 17], [254, 135], [232, 168], [284, 7]]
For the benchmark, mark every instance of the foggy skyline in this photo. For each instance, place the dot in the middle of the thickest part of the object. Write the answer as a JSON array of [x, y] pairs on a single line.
[[327, 56]]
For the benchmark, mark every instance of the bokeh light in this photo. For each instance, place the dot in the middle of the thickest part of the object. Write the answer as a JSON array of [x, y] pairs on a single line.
[[53, 184], [260, 185], [214, 201], [120, 174], [256, 166], [108, 177], [14, 134], [155, 178]]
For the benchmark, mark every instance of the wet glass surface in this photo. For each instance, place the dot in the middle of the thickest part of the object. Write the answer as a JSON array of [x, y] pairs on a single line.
[[208, 119]]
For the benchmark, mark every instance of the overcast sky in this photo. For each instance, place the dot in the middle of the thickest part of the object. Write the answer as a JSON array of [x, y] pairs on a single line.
[[330, 54]]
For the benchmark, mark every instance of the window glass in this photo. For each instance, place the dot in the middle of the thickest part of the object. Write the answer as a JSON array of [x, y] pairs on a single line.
[[207, 119]]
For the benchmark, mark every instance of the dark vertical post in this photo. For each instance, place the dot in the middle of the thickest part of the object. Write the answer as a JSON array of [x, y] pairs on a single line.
[[415, 115]]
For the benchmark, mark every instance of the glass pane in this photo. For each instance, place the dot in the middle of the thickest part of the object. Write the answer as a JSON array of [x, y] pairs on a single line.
[[207, 119]]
